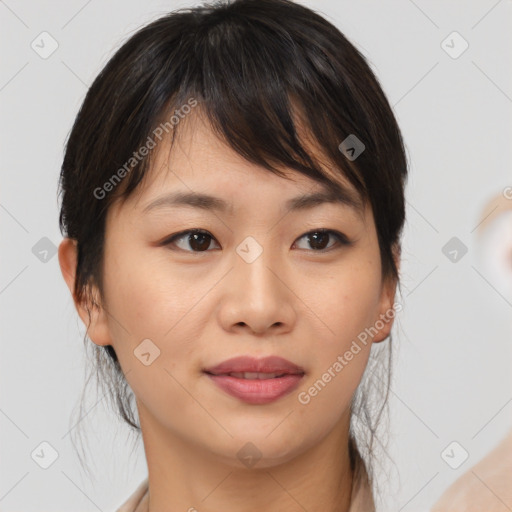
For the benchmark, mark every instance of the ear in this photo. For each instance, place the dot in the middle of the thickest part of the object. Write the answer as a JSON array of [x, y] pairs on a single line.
[[387, 299], [98, 330]]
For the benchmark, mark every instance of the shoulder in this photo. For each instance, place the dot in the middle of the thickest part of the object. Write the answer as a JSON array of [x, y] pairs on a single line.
[[130, 505]]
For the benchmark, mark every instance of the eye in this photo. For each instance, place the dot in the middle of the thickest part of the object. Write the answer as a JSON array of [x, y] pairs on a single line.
[[197, 239], [318, 239]]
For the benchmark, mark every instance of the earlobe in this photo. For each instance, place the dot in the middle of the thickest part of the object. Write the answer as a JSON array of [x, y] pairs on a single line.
[[97, 325]]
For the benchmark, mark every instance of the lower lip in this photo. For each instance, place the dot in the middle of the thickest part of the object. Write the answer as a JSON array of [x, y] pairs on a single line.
[[257, 391]]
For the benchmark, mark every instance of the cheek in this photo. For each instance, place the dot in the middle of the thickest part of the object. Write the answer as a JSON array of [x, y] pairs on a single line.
[[346, 300], [148, 293], [146, 301], [341, 352], [345, 304]]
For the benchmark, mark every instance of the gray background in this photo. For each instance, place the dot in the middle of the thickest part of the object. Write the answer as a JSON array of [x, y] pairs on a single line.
[[452, 373]]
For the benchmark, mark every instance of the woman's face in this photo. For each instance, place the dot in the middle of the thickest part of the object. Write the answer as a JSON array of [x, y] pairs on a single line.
[[255, 285]]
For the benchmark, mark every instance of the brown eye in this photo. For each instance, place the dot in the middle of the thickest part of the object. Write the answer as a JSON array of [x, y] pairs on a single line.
[[318, 240], [197, 240], [194, 240]]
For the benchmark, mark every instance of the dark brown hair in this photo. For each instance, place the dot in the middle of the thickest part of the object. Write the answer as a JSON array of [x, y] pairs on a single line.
[[260, 70]]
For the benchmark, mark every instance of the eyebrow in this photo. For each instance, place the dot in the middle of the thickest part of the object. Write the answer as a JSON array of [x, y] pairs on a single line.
[[202, 201]]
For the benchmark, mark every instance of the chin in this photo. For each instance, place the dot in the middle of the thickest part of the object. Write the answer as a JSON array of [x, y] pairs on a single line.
[[254, 448]]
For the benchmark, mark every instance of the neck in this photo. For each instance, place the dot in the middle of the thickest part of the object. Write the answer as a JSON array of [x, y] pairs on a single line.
[[182, 476]]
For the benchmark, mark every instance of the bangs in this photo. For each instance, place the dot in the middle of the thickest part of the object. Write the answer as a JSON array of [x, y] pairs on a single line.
[[276, 82], [267, 96]]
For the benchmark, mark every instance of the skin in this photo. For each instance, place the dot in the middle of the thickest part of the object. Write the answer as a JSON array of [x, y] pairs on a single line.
[[201, 308]]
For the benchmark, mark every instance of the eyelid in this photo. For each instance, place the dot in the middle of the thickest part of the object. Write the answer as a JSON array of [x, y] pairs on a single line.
[[170, 239], [342, 239]]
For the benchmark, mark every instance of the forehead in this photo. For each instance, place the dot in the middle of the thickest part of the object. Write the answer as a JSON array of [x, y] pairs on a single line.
[[200, 170], [205, 201]]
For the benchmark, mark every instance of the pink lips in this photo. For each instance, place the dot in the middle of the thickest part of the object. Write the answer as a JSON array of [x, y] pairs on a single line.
[[269, 378]]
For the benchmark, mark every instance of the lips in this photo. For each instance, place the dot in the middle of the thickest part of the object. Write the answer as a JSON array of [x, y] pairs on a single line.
[[256, 381], [255, 375], [251, 368]]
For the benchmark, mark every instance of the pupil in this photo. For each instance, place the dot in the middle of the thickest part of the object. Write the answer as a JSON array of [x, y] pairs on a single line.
[[314, 240], [202, 239], [200, 242]]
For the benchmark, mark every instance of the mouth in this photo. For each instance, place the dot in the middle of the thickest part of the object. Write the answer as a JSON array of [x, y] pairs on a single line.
[[251, 367], [252, 375], [256, 381]]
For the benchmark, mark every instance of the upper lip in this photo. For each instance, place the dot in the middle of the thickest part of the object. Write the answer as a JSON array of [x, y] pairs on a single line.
[[271, 364]]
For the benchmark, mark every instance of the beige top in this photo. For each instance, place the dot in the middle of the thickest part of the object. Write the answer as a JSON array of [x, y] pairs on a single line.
[[362, 497]]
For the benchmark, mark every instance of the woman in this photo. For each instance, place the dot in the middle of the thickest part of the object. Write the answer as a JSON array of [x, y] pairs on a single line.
[[232, 206]]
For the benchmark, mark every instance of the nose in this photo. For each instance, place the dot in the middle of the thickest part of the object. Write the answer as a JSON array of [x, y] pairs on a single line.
[[257, 297]]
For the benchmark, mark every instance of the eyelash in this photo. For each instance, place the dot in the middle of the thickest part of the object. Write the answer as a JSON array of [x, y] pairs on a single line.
[[340, 237]]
